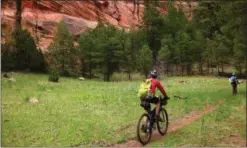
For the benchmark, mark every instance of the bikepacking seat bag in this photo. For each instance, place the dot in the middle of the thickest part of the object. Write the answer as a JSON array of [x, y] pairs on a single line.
[[144, 88], [146, 105]]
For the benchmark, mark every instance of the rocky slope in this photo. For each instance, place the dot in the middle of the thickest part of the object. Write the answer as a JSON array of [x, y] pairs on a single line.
[[41, 18]]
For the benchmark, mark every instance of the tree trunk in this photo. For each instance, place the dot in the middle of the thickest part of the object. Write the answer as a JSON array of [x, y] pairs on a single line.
[[222, 67], [218, 68], [182, 70], [201, 68], [167, 68], [82, 67], [240, 70], [154, 53], [90, 66], [129, 75], [97, 12], [171, 69], [90, 71], [36, 22], [189, 69], [106, 77], [63, 62], [208, 67], [18, 14], [176, 69], [134, 1], [138, 10]]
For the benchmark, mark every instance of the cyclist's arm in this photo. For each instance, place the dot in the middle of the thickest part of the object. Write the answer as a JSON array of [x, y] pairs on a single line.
[[237, 80], [161, 89]]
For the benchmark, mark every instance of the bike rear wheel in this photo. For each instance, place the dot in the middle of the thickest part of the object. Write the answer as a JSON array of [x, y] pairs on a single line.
[[143, 133], [163, 122]]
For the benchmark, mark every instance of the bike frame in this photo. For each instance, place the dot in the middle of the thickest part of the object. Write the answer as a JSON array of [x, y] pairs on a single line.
[[151, 114]]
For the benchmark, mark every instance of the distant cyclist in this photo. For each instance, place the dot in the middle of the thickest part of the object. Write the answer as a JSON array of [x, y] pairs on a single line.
[[148, 88], [234, 82]]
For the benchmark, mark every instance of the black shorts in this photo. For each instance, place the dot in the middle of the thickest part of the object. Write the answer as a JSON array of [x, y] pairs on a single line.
[[145, 102], [154, 100], [234, 84]]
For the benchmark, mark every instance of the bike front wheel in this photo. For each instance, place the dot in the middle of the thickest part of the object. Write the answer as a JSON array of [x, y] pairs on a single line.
[[163, 122], [143, 133]]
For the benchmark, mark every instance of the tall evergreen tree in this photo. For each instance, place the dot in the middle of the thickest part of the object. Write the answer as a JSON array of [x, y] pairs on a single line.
[[154, 26], [103, 49], [145, 60], [62, 50]]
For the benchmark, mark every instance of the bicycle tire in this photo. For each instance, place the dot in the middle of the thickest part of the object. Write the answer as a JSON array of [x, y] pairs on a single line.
[[142, 141], [165, 115]]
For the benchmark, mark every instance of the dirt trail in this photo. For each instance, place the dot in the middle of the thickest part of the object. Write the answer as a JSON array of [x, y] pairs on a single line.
[[172, 127]]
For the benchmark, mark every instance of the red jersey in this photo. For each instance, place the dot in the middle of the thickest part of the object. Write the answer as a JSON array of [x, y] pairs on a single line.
[[155, 83]]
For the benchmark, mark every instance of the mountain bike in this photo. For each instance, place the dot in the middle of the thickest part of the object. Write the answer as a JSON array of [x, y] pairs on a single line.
[[146, 123]]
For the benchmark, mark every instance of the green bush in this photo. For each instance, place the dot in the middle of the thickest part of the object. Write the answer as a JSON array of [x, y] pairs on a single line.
[[8, 59], [37, 61], [53, 75], [22, 53]]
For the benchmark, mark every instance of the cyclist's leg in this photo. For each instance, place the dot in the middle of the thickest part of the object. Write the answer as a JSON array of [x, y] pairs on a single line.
[[236, 89], [156, 101], [234, 85], [157, 108], [233, 89]]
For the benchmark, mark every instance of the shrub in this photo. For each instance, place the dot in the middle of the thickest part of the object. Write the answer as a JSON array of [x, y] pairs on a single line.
[[8, 59], [53, 75], [20, 53]]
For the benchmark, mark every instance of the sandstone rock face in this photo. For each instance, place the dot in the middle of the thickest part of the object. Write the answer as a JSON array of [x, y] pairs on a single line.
[[41, 18]]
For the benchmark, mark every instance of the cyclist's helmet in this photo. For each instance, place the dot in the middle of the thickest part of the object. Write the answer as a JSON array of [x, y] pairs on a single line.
[[233, 73], [154, 74]]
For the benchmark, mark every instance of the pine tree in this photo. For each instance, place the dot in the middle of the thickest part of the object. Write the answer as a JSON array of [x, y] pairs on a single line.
[[233, 20], [145, 60], [128, 62], [154, 28], [205, 16], [62, 51], [102, 50], [87, 47], [163, 57]]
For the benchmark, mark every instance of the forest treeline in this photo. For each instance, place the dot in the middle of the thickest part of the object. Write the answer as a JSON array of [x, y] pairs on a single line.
[[214, 39]]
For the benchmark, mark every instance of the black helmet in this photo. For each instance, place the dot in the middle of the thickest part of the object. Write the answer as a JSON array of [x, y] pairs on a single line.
[[154, 73]]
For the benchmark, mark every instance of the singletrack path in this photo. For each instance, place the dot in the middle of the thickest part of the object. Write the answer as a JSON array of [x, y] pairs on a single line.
[[172, 127]]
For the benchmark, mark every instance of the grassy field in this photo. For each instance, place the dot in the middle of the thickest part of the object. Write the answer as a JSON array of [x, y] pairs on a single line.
[[226, 126], [96, 113]]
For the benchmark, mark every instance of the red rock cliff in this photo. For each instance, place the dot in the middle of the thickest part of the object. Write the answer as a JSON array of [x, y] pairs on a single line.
[[41, 18]]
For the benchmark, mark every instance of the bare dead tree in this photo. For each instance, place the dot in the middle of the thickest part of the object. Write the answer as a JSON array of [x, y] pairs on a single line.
[[96, 3], [18, 14]]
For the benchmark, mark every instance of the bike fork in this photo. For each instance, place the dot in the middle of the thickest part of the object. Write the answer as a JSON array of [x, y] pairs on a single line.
[[151, 123]]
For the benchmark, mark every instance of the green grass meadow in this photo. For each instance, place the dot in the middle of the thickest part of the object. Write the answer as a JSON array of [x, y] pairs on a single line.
[[96, 113]]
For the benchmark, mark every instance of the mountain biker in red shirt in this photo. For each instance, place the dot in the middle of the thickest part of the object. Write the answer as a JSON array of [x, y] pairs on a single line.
[[155, 83]]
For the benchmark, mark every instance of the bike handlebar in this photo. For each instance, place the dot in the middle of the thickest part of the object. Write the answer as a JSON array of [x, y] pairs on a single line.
[[165, 98]]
